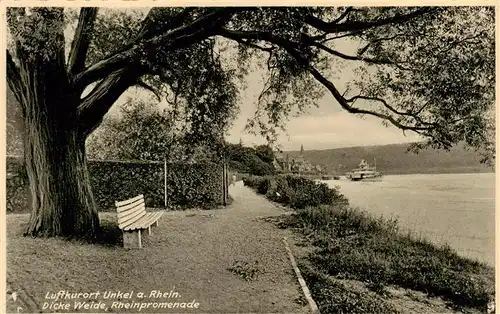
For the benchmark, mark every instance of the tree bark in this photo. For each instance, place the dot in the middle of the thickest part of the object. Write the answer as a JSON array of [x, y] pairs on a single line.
[[62, 203]]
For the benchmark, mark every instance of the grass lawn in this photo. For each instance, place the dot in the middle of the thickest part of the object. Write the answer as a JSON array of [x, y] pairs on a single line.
[[205, 256]]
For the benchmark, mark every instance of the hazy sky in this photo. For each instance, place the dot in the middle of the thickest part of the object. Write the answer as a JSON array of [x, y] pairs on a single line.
[[331, 130], [324, 127]]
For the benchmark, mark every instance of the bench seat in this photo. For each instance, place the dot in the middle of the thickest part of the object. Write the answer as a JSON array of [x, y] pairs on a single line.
[[133, 219], [143, 223]]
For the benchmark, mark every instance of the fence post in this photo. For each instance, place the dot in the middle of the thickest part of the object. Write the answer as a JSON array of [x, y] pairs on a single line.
[[165, 181], [226, 178], [224, 184]]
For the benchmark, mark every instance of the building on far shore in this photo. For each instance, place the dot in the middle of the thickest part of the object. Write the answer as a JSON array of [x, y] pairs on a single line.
[[283, 163], [301, 164]]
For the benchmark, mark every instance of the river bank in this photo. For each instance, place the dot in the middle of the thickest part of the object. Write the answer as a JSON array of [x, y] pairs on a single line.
[[356, 262]]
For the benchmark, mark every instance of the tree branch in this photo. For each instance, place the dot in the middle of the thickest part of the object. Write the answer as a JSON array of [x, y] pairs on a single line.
[[361, 51], [345, 105], [94, 106], [326, 39], [391, 108], [334, 27], [344, 56], [343, 15], [143, 84], [202, 27], [255, 46], [150, 26], [291, 48], [238, 36], [81, 40], [456, 43]]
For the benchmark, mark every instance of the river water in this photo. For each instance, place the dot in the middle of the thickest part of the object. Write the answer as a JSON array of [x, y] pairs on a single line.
[[458, 209]]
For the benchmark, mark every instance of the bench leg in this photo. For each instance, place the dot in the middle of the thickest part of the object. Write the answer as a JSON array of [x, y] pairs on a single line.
[[132, 239], [149, 230], [155, 223]]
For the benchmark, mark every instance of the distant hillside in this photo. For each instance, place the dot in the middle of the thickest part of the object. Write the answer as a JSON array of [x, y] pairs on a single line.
[[393, 159]]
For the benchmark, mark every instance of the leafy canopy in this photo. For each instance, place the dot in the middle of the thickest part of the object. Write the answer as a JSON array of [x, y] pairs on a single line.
[[428, 70]]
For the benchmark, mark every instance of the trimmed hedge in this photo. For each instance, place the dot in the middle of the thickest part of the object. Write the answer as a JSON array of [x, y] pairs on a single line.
[[113, 181], [295, 192], [188, 185], [195, 184]]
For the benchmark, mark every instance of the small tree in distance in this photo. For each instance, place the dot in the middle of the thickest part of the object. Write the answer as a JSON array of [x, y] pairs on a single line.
[[140, 132]]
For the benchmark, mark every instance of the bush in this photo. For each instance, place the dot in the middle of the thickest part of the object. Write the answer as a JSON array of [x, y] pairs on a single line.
[[255, 161], [259, 184], [258, 167], [198, 184], [112, 181], [236, 166], [279, 191], [311, 193], [295, 192], [334, 297]]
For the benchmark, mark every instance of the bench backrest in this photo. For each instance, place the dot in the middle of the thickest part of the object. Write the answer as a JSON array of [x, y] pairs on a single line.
[[130, 211]]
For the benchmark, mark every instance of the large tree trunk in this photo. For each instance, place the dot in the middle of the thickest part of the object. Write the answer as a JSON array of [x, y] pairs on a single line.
[[61, 198]]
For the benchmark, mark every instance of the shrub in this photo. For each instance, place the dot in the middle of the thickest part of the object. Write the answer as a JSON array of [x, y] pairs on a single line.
[[259, 184], [311, 193], [279, 190], [118, 180], [258, 167], [334, 297], [296, 192], [198, 184], [236, 166]]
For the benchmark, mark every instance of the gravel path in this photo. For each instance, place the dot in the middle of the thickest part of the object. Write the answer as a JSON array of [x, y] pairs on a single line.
[[217, 239]]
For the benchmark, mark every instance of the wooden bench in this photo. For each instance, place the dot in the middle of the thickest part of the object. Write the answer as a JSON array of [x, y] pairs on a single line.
[[133, 219]]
